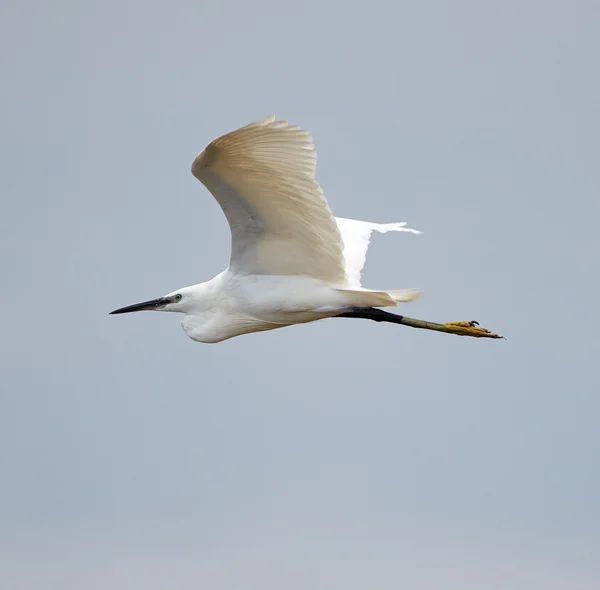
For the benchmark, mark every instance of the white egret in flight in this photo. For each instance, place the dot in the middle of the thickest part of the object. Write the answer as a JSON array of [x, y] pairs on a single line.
[[291, 260]]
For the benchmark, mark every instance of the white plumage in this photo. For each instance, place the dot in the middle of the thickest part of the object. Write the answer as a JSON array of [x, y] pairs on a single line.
[[356, 236], [291, 260]]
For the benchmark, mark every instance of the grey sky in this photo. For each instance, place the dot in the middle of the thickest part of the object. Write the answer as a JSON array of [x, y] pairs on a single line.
[[342, 454]]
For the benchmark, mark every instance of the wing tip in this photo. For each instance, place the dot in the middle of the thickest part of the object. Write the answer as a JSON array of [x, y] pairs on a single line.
[[263, 121], [209, 154], [397, 226], [204, 159]]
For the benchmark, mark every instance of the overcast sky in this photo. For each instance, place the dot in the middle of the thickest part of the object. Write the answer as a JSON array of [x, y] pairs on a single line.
[[340, 454]]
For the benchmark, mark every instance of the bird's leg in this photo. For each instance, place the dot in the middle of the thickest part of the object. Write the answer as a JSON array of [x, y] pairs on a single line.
[[372, 313], [459, 328]]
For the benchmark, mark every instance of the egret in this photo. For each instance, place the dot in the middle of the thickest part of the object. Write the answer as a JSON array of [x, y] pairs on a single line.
[[291, 260]]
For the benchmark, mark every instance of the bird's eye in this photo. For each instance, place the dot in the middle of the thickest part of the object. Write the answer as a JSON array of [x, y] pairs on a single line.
[[177, 297]]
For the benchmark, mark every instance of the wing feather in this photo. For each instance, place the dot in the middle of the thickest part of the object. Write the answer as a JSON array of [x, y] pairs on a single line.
[[356, 236], [263, 177]]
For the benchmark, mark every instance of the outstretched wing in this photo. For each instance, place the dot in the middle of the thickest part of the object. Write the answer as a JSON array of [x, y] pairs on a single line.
[[263, 177], [356, 236]]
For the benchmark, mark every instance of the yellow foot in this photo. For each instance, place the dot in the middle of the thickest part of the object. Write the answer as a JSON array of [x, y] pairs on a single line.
[[470, 329]]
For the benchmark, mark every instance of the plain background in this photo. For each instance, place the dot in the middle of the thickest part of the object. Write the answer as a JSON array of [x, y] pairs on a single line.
[[341, 454]]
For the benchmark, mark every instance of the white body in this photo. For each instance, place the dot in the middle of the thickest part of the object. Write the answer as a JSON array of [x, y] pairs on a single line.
[[291, 260], [232, 304]]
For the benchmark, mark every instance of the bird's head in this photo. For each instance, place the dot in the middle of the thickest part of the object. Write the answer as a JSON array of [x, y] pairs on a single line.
[[179, 301]]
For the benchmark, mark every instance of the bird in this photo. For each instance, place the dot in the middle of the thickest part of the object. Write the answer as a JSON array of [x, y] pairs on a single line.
[[291, 260]]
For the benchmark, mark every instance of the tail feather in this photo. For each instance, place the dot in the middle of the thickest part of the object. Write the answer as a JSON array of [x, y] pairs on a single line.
[[405, 295], [366, 298]]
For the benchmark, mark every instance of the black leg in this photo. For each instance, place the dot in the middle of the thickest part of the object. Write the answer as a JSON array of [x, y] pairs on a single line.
[[372, 313], [458, 328]]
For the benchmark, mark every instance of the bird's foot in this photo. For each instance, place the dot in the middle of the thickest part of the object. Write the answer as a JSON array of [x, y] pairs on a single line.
[[470, 329]]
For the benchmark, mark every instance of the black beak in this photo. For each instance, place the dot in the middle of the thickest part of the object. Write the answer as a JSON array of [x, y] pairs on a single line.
[[146, 305]]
